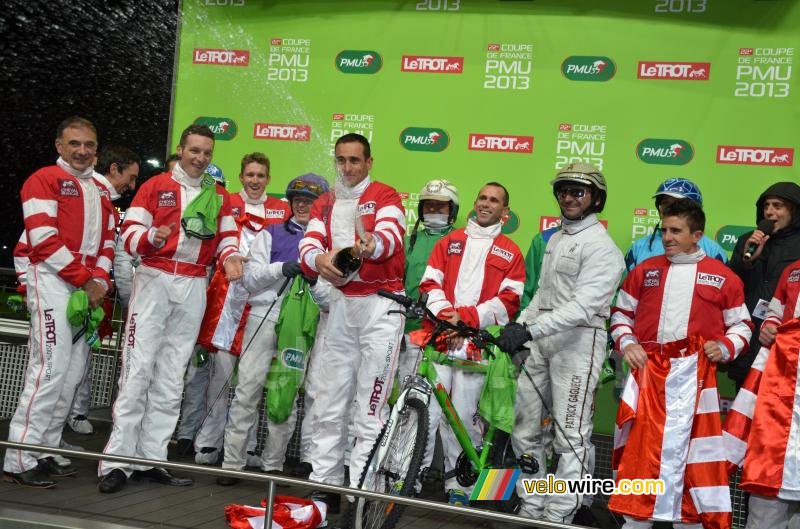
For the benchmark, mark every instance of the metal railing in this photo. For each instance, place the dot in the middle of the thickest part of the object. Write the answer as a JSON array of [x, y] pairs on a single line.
[[272, 479]]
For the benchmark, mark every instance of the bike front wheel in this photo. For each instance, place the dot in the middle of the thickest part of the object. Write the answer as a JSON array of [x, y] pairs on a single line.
[[394, 470]]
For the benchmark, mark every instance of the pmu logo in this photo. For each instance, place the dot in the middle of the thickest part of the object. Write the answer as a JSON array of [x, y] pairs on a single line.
[[778, 156], [293, 358], [675, 71], [666, 152], [272, 131], [500, 143], [223, 57], [728, 236], [223, 128], [429, 64], [588, 68], [359, 61], [424, 139]]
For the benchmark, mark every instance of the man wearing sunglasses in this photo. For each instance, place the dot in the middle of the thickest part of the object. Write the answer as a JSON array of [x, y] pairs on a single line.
[[564, 328]]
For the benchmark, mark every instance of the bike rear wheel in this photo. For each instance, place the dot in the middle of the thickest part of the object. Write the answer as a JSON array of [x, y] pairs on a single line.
[[395, 473]]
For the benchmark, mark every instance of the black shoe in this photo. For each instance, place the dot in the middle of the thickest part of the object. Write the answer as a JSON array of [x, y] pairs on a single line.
[[162, 475], [584, 516], [225, 481], [49, 467], [333, 501], [112, 482], [30, 478], [303, 470], [185, 448]]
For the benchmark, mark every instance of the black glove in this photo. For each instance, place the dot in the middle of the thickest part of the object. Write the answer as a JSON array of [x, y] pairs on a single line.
[[513, 337], [291, 269], [519, 357]]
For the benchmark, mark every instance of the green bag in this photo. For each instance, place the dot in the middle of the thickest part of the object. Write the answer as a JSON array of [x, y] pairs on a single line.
[[199, 219], [84, 320], [296, 328], [496, 404]]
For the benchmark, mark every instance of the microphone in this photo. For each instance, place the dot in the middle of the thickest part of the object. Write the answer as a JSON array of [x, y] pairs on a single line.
[[767, 226]]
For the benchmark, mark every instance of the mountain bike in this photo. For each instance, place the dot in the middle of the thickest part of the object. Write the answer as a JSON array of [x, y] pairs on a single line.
[[393, 465]]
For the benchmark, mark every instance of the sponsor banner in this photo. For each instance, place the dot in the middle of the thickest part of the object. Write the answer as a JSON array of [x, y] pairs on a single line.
[[411, 204], [359, 61], [223, 128], [547, 222], [223, 57], [287, 60], [275, 131], [676, 71], [764, 72], [432, 64], [588, 68], [644, 222], [424, 139], [666, 152], [508, 66], [501, 143], [581, 142], [728, 236], [777, 156], [344, 123]]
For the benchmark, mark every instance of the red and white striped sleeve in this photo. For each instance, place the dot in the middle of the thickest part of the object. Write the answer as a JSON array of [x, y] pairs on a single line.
[[315, 240], [139, 222], [736, 318], [777, 305], [105, 256], [22, 261], [432, 282], [740, 417], [623, 314], [40, 211], [390, 225], [227, 232]]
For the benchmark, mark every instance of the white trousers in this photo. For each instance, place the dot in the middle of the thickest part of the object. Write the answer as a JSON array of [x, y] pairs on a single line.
[[160, 333], [55, 368], [771, 513], [359, 358]]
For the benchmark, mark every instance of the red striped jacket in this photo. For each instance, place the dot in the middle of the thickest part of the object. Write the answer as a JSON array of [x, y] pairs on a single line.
[[54, 209], [161, 201], [381, 212], [498, 274]]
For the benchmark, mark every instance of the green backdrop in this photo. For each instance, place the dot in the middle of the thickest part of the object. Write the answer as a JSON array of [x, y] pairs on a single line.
[[474, 91]]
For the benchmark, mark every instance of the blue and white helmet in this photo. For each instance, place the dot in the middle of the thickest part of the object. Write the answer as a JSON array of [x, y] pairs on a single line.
[[216, 173], [680, 188]]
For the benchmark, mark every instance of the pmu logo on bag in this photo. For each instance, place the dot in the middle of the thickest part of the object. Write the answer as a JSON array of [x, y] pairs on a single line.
[[667, 152], [424, 139], [500, 143], [293, 358], [223, 128], [167, 199], [272, 131], [678, 71], [67, 188], [359, 61], [223, 57], [430, 64], [588, 68], [779, 156]]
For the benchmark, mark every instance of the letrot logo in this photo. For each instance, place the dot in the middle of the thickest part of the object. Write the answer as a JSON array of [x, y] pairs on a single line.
[[779, 156], [685, 71], [272, 131], [500, 143], [432, 64], [223, 57]]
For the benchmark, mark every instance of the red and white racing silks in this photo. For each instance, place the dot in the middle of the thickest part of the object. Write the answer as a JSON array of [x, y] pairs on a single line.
[[478, 271], [668, 424], [380, 211], [180, 255], [289, 512], [227, 308], [68, 229], [762, 429]]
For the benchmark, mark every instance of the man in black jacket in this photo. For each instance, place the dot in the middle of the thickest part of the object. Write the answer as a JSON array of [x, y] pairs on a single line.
[[761, 272]]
